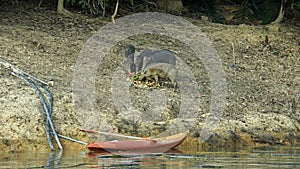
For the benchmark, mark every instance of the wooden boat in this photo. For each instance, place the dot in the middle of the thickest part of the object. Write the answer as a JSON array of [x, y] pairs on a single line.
[[157, 145]]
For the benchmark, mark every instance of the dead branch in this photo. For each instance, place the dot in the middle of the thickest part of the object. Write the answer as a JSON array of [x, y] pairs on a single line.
[[115, 13], [151, 3]]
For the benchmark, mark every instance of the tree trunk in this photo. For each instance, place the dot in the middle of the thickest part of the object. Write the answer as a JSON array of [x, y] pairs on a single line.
[[276, 24], [61, 10]]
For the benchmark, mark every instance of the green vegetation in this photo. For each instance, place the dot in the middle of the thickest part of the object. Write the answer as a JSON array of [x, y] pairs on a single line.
[[295, 5]]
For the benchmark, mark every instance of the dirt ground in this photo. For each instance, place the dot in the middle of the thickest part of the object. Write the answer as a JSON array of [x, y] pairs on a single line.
[[263, 81]]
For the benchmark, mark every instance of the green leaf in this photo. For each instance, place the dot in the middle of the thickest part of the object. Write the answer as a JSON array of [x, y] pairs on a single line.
[[297, 5]]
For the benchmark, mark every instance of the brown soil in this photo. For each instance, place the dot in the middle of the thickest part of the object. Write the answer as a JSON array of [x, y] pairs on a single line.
[[263, 80]]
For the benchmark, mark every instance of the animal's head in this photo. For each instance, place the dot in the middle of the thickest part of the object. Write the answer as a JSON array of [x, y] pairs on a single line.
[[129, 49]]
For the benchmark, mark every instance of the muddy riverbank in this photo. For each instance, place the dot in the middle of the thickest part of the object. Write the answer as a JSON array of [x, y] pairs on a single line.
[[263, 80]]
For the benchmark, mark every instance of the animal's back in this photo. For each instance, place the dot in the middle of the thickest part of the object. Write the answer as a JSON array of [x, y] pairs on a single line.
[[159, 56]]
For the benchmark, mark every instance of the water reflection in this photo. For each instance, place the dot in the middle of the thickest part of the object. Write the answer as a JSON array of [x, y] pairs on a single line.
[[53, 160], [265, 158]]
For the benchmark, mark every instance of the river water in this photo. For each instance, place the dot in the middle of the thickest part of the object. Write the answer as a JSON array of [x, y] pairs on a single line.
[[263, 157]]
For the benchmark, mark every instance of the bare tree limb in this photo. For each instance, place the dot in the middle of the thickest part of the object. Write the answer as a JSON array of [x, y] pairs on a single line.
[[103, 4], [115, 13], [151, 3]]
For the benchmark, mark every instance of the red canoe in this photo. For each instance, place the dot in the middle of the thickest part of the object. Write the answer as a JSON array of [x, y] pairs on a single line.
[[157, 145]]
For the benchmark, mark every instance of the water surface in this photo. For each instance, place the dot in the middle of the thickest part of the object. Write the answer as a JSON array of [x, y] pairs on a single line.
[[264, 157]]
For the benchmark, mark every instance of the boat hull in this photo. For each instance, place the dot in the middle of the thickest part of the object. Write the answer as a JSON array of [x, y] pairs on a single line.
[[158, 145]]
